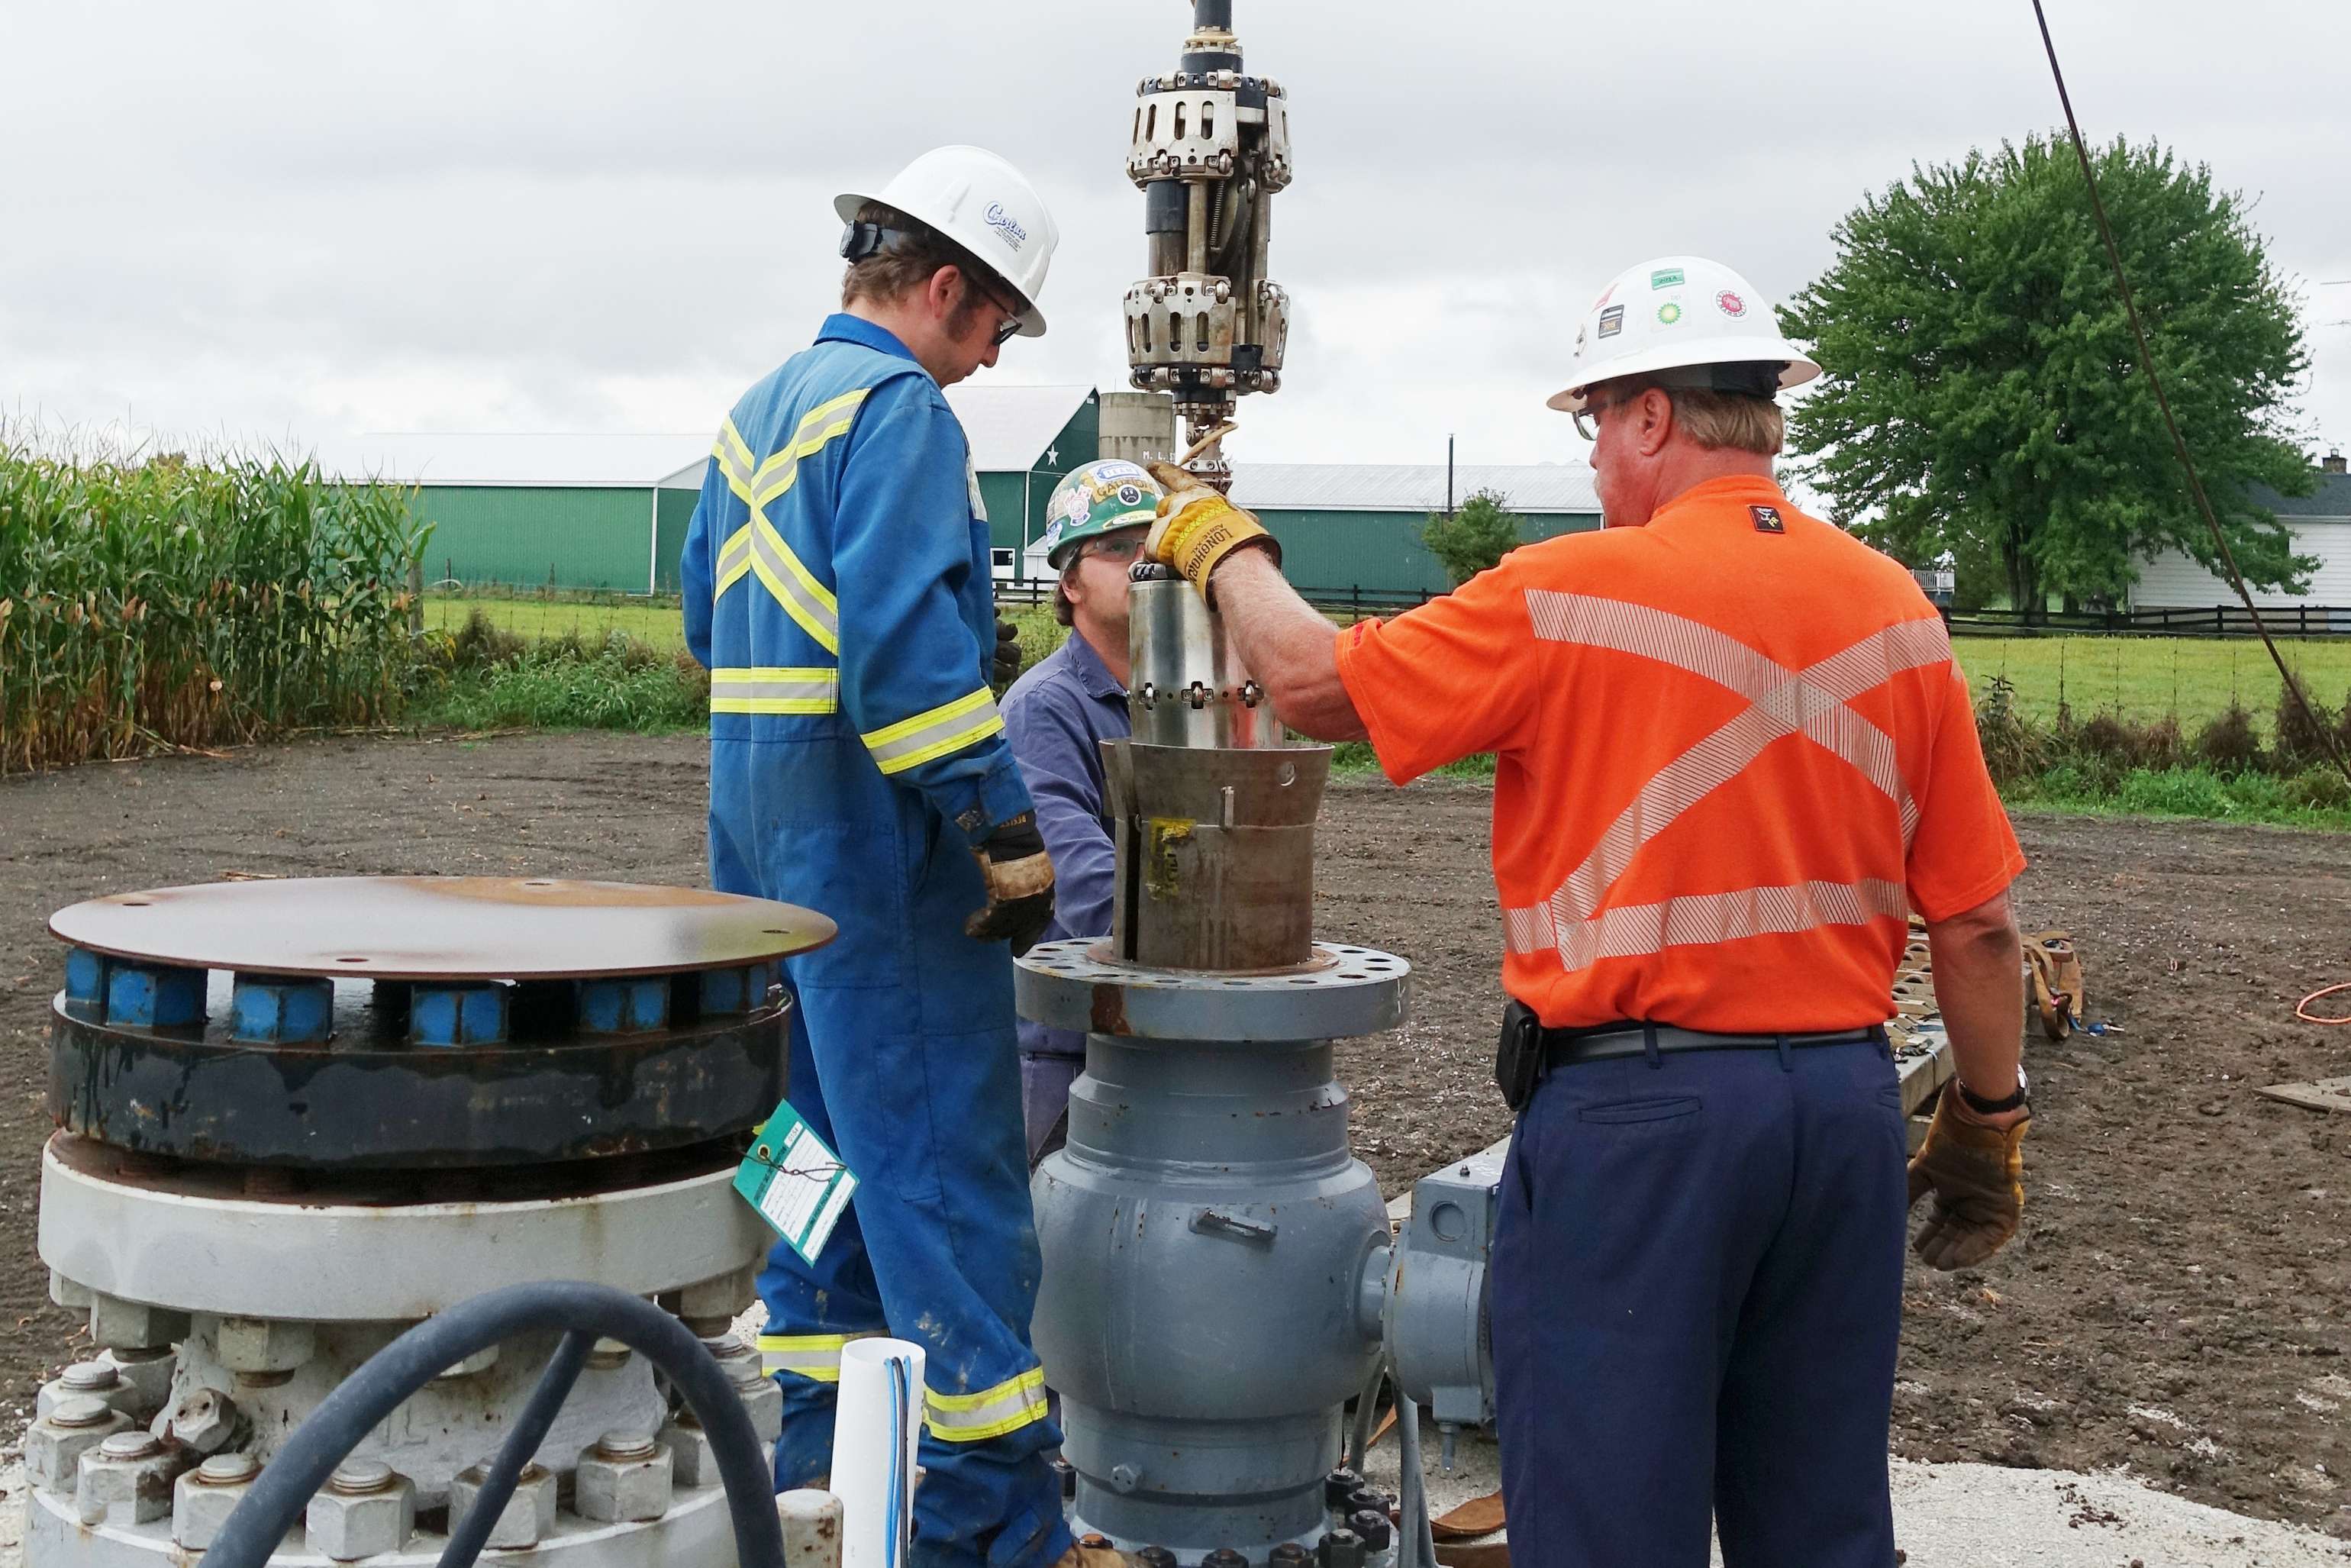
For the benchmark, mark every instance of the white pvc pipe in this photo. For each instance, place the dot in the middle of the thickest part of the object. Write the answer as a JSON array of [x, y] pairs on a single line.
[[876, 1422]]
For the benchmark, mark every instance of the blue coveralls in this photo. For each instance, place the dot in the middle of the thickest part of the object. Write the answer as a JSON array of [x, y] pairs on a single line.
[[1056, 716], [836, 583]]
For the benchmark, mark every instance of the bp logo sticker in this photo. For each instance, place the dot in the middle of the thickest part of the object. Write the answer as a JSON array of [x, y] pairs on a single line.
[[1730, 304], [1611, 320], [1666, 278], [1670, 313]]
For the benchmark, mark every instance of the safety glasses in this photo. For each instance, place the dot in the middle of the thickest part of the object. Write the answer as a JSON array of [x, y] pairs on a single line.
[[1587, 418], [1118, 552]]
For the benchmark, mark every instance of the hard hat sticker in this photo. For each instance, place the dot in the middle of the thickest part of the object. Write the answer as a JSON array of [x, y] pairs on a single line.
[[1006, 229], [1611, 320], [799, 1186], [1670, 313], [1730, 304], [1666, 278]]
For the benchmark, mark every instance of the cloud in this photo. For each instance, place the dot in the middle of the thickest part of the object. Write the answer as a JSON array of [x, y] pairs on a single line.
[[255, 217]]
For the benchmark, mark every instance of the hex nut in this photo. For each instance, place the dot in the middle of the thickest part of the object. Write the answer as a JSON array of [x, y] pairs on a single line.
[[134, 1325], [55, 1444], [528, 1516], [694, 1463], [95, 1379], [263, 1345], [625, 1477], [127, 1478], [202, 1420], [723, 1296], [66, 1293], [364, 1509], [204, 1498], [763, 1398], [147, 1372]]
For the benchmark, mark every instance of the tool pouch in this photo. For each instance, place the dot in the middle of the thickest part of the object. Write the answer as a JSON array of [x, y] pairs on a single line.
[[1518, 1058]]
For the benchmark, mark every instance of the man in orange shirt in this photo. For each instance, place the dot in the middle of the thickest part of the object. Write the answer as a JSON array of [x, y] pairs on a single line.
[[1732, 754]]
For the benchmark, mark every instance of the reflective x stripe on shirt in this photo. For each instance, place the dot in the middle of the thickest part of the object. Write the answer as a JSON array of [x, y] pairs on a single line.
[[816, 1357], [1813, 702], [991, 1413], [789, 690], [950, 727], [756, 548]]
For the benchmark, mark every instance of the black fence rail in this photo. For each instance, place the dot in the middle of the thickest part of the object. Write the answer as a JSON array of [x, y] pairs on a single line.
[[2217, 621]]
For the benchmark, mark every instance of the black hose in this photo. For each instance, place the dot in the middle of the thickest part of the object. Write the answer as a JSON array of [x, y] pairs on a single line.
[[470, 1534], [343, 1420]]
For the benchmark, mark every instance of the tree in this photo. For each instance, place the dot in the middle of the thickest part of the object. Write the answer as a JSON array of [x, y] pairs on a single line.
[[1481, 533], [1982, 393]]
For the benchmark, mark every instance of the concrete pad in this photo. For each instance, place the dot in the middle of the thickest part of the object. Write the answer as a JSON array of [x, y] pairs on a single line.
[[1989, 1516]]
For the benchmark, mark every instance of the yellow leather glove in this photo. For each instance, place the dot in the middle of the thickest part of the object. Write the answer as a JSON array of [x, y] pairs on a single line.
[[1197, 527], [1977, 1175]]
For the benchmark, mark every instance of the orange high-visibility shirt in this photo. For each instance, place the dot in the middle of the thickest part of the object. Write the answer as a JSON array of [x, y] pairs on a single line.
[[1733, 753]]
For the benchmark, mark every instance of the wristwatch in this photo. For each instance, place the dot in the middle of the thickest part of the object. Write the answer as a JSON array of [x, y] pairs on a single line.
[[1983, 1107]]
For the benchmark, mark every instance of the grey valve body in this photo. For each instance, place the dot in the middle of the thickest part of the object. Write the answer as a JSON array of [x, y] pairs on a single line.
[[1214, 1255]]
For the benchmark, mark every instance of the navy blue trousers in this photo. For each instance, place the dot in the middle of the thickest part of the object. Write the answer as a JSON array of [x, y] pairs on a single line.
[[1697, 1298]]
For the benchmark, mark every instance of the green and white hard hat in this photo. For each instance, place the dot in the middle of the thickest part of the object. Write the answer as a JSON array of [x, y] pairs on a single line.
[[1095, 498]]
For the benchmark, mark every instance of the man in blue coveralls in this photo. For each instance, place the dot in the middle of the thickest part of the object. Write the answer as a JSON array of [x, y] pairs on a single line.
[[836, 583], [1057, 716]]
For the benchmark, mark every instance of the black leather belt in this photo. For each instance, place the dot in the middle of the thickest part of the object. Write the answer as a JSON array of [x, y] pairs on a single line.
[[1527, 1051], [1615, 1041]]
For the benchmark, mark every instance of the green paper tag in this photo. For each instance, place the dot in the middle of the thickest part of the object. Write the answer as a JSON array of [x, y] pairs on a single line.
[[800, 1187]]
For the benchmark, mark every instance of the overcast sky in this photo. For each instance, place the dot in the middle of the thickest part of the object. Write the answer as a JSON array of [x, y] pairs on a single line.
[[296, 222]]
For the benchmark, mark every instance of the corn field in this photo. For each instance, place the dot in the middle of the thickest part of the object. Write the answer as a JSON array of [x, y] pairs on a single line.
[[152, 603]]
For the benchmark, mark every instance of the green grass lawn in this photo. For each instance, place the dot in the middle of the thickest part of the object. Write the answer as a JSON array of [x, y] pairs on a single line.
[[657, 624], [2146, 678], [2140, 677]]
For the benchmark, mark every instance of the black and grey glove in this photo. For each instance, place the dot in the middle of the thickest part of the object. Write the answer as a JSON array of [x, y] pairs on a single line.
[[1020, 876], [1006, 667]]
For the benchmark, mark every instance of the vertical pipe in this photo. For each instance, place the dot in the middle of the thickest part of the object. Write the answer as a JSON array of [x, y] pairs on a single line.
[[1208, 13], [1195, 228]]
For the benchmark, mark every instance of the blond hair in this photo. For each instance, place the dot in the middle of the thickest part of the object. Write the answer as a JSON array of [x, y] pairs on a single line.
[[1736, 420]]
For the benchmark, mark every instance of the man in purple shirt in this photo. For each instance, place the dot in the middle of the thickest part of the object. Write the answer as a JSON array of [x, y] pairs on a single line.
[[1057, 716]]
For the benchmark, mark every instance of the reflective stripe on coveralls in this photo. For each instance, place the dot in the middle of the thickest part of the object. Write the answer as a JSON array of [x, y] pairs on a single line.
[[950, 727], [815, 1356], [802, 690], [756, 547], [991, 1413]]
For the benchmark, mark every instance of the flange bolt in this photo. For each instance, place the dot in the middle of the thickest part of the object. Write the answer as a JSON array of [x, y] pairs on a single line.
[[227, 1470], [80, 1411], [621, 1445], [360, 1477]]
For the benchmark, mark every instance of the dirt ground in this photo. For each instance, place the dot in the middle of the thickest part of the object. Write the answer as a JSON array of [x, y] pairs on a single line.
[[2176, 1304]]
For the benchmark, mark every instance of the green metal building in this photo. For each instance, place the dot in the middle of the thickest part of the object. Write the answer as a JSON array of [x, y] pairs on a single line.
[[610, 512]]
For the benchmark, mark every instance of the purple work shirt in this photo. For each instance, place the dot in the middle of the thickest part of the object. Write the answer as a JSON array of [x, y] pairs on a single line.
[[1056, 716]]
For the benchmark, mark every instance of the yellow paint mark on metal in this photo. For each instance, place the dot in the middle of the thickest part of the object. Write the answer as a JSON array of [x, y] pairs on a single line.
[[1161, 878]]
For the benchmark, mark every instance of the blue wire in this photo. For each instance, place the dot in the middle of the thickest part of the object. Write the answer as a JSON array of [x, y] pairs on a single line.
[[895, 1517]]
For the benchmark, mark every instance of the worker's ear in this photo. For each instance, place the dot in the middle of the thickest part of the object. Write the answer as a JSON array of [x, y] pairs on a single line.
[[944, 294], [1653, 412]]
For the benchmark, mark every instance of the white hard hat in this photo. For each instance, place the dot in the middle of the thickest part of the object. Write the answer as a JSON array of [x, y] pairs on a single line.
[[984, 204], [1673, 313]]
